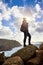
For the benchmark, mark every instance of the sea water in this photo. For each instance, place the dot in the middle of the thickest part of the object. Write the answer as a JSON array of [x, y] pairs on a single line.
[[9, 53]]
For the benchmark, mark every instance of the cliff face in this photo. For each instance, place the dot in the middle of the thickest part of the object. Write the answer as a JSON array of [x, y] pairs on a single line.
[[6, 45]]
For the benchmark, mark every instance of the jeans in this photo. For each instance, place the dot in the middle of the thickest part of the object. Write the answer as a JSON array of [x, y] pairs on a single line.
[[25, 36]]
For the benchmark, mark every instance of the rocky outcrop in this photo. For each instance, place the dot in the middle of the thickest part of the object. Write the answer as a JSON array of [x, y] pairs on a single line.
[[2, 58], [6, 45], [39, 53], [33, 61], [26, 52], [41, 47], [29, 55], [14, 61]]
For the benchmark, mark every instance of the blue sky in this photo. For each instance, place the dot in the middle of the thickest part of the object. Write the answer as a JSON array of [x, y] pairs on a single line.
[[23, 2], [12, 13]]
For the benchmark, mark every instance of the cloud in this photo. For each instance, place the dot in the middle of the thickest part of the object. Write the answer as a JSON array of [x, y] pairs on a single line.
[[39, 29], [5, 31], [5, 11], [0, 17], [37, 7], [0, 24], [18, 13]]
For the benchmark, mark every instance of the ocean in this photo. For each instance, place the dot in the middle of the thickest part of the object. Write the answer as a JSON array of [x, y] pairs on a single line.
[[9, 53]]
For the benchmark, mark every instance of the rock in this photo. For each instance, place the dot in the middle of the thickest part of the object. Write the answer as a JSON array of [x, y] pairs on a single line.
[[40, 54], [41, 63], [7, 45], [33, 61], [14, 61], [26, 52], [2, 58], [41, 47]]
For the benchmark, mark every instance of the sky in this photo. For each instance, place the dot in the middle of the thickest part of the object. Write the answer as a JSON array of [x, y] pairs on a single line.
[[11, 16]]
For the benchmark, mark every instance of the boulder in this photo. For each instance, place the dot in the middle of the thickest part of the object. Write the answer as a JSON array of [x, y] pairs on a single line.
[[41, 47], [14, 61], [41, 63], [26, 52], [33, 61], [39, 53], [2, 58]]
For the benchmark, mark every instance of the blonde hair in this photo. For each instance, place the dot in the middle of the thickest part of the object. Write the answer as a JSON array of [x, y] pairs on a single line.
[[24, 19]]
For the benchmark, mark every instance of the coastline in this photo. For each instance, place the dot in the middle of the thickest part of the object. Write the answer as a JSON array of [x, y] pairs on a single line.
[[9, 53]]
